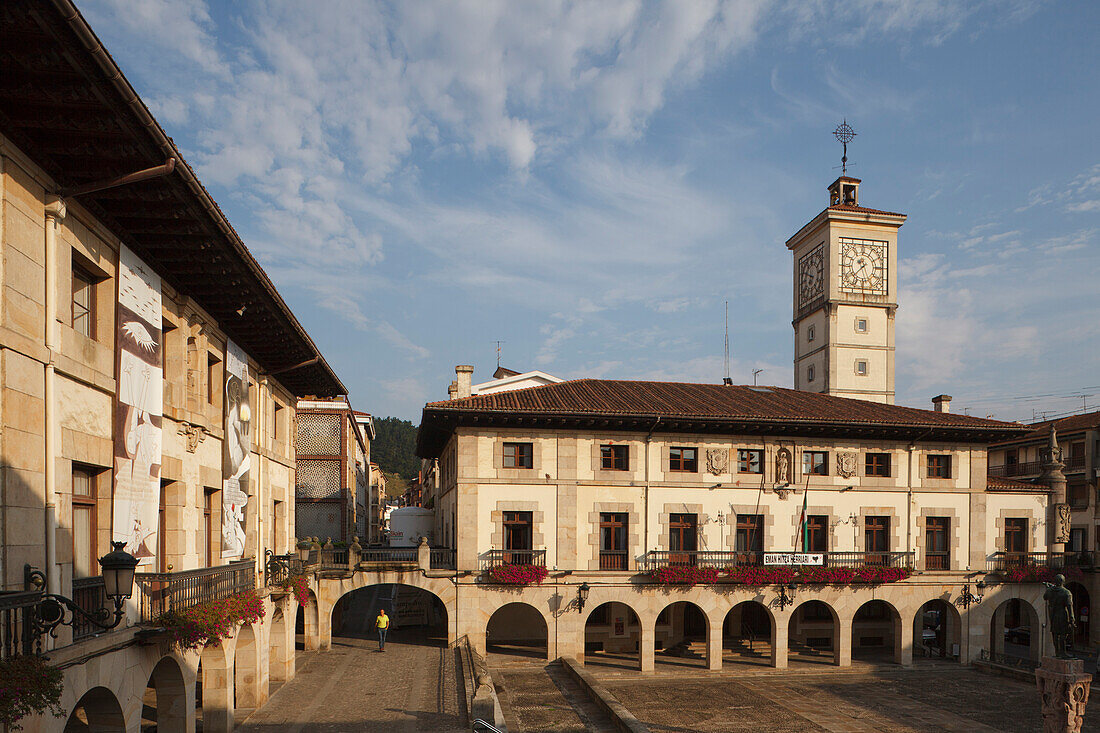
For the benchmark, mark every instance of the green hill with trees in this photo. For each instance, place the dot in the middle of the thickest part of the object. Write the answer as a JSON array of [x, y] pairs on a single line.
[[394, 450]]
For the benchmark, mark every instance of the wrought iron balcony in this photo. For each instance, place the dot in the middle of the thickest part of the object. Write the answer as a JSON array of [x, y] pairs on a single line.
[[1004, 562], [280, 568], [655, 559], [16, 626], [1075, 463], [495, 558], [90, 595], [161, 592], [1007, 470]]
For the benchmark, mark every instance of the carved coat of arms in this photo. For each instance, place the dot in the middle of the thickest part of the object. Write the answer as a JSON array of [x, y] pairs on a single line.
[[846, 464], [718, 461]]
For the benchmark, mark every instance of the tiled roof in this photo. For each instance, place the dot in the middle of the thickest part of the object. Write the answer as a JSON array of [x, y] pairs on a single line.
[[997, 483], [1064, 425], [613, 398], [862, 210]]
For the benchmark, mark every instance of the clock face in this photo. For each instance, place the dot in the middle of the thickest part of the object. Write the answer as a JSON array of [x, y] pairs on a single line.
[[863, 265], [811, 275]]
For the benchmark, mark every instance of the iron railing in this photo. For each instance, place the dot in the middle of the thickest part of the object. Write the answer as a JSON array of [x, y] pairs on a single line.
[[162, 592], [1001, 562], [389, 555], [655, 559], [495, 558], [16, 626], [1026, 468], [442, 559], [335, 558], [89, 594], [1008, 660], [1075, 463], [280, 568]]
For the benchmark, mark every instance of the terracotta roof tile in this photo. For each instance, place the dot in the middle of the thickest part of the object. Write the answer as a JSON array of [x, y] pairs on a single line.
[[862, 210], [605, 397], [997, 483]]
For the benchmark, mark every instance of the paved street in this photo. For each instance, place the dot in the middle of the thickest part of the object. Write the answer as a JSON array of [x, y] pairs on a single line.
[[931, 697], [412, 686]]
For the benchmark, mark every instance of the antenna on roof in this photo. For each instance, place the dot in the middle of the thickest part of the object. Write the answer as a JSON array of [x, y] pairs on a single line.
[[498, 343], [726, 379], [755, 372]]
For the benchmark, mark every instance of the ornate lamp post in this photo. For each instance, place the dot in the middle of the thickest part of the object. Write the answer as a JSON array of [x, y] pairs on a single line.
[[786, 599], [966, 598], [55, 610], [582, 596]]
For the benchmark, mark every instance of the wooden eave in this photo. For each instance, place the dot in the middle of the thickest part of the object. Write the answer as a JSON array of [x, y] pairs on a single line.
[[68, 107]]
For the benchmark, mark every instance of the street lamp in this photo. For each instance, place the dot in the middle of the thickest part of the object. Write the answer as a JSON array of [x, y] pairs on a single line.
[[785, 599], [966, 598], [303, 550], [582, 596], [55, 610]]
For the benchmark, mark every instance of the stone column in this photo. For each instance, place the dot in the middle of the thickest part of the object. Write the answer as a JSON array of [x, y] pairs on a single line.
[[1064, 692], [714, 643], [646, 639], [842, 643], [903, 644], [780, 642], [1058, 511]]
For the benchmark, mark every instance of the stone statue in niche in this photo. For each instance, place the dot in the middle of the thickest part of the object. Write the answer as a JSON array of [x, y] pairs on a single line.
[[783, 466], [846, 464], [718, 461]]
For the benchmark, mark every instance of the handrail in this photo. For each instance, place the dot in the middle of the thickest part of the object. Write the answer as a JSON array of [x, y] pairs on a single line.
[[16, 625], [441, 558], [494, 558], [1000, 562], [655, 559], [90, 595], [177, 591]]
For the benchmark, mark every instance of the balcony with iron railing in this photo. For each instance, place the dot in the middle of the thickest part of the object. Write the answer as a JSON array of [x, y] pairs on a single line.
[[496, 558], [1075, 463], [17, 636], [88, 594], [177, 591], [1006, 562], [1008, 470], [657, 559]]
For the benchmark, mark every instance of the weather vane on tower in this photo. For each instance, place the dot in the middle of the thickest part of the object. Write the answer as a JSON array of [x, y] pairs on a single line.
[[844, 133]]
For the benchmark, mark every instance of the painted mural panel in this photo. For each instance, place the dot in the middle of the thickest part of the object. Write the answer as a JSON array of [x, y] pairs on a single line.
[[238, 448], [138, 408]]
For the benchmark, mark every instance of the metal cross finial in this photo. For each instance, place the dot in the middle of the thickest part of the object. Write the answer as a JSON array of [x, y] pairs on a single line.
[[844, 133]]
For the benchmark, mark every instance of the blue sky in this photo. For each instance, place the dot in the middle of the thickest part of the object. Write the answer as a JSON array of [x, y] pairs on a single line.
[[590, 182]]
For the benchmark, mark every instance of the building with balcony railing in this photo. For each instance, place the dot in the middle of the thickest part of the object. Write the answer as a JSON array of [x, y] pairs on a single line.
[[149, 372], [792, 525]]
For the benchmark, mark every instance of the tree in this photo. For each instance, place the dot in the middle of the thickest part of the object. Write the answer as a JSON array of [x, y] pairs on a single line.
[[394, 447]]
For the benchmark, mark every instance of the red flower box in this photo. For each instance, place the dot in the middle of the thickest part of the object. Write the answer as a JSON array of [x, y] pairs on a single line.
[[520, 574]]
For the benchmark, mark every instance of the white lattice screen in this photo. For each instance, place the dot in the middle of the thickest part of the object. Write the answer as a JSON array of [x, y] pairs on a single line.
[[318, 478], [321, 519], [318, 435]]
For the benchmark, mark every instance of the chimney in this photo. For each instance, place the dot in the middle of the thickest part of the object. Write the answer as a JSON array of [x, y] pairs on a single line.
[[451, 389], [942, 403], [463, 374]]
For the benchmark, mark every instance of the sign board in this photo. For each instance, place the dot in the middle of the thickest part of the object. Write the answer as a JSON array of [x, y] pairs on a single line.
[[794, 558]]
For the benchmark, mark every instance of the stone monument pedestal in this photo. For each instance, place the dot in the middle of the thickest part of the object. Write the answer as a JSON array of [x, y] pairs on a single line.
[[1064, 691]]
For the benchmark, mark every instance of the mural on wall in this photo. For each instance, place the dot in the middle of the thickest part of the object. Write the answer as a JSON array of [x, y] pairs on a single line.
[[238, 448], [138, 408]]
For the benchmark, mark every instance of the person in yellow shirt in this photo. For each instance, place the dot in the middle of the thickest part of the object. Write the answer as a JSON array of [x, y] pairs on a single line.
[[382, 623]]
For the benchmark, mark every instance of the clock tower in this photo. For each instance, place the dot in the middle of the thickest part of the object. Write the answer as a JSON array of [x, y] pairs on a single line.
[[845, 296]]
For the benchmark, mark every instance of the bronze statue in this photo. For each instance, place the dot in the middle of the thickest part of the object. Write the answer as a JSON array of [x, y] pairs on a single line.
[[1060, 612]]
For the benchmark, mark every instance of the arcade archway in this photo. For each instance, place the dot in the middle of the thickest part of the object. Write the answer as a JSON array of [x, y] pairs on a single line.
[[681, 635], [517, 629], [747, 634], [612, 636]]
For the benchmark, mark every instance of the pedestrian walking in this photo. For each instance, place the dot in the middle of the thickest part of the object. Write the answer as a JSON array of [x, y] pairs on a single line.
[[383, 624]]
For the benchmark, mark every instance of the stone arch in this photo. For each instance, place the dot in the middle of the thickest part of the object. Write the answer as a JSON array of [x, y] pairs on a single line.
[[307, 624], [1016, 630], [937, 630], [280, 648], [748, 634], [165, 702], [518, 628], [615, 636], [877, 632], [247, 677], [1082, 610], [681, 631], [217, 686], [417, 615], [813, 634], [331, 590], [97, 711]]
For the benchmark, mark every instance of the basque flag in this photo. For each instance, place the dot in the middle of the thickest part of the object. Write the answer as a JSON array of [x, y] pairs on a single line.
[[803, 523]]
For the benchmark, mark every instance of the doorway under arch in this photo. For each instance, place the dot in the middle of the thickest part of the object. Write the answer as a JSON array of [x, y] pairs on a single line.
[[612, 636], [748, 632], [1081, 610], [517, 629], [937, 631], [98, 711], [681, 635], [307, 631], [814, 634], [417, 616], [1015, 631], [164, 706], [876, 633]]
